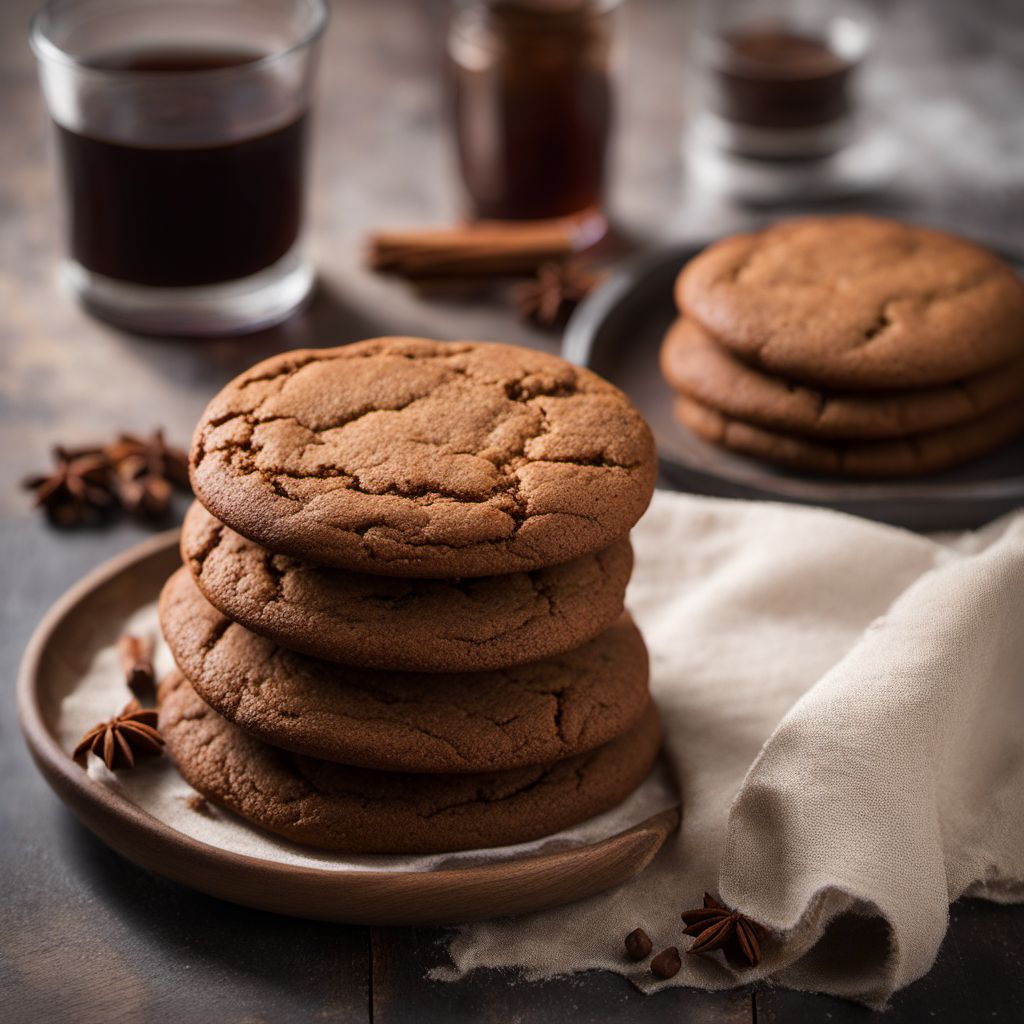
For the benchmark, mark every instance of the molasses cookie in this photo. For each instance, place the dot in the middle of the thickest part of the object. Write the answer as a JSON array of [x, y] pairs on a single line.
[[406, 721], [416, 458], [911, 456], [695, 364], [357, 810], [412, 625], [857, 302]]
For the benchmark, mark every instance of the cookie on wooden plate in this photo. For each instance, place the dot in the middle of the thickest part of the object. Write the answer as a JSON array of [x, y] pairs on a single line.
[[408, 721], [855, 302], [357, 810], [694, 363], [912, 456], [418, 625], [416, 458]]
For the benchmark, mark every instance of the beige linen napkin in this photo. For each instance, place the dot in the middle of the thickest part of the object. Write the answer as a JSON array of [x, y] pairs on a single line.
[[844, 715]]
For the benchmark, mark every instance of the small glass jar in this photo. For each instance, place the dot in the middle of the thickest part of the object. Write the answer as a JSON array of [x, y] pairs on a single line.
[[533, 105], [778, 115]]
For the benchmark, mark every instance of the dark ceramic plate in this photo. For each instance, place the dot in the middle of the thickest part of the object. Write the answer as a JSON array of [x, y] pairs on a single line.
[[617, 331]]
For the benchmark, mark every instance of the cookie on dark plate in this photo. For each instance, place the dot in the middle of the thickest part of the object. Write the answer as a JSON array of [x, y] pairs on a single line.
[[856, 302], [695, 364], [910, 456]]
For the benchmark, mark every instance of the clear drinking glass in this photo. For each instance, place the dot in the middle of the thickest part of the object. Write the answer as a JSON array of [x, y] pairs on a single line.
[[777, 112], [181, 132]]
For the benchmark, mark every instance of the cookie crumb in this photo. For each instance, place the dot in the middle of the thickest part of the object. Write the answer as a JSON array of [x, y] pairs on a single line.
[[196, 802]]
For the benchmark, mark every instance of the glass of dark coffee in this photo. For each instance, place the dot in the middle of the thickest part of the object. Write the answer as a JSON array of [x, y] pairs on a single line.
[[182, 130]]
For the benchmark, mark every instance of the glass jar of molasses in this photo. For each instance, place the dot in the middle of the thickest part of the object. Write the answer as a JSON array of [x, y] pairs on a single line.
[[777, 114], [532, 98]]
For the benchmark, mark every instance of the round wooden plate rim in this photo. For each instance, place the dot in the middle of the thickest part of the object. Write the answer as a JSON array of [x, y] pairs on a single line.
[[133, 831], [578, 347]]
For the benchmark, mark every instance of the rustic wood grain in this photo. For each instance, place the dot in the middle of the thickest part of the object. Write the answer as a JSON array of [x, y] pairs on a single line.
[[402, 994], [85, 936], [978, 976]]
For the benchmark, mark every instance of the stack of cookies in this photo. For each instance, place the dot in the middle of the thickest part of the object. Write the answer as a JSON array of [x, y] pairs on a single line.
[[399, 627], [849, 345]]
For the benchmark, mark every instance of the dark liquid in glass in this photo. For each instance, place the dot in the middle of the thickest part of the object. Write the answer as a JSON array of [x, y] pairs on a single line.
[[775, 77], [182, 215], [533, 113]]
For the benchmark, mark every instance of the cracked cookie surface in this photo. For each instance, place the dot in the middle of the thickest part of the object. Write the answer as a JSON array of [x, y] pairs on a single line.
[[357, 810], [416, 458], [418, 625], [908, 456], [694, 363], [407, 721], [857, 302]]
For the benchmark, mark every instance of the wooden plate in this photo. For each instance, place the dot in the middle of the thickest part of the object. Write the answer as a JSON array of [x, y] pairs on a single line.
[[90, 616], [617, 331]]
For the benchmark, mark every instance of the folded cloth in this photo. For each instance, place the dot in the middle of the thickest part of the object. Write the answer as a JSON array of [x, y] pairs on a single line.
[[843, 705]]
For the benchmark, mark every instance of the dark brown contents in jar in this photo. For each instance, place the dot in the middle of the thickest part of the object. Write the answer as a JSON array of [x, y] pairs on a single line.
[[777, 78], [533, 108]]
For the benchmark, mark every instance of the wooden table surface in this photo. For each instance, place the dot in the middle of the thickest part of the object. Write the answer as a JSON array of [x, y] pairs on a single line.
[[85, 936]]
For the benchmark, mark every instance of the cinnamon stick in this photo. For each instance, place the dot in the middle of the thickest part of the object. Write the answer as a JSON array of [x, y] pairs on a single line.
[[482, 249], [137, 663]]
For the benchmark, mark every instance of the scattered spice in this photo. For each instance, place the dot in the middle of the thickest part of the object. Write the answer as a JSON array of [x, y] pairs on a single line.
[[131, 733], [667, 963], [77, 489], [153, 454], [555, 292], [145, 470], [638, 944], [717, 927], [137, 662], [136, 473], [144, 495]]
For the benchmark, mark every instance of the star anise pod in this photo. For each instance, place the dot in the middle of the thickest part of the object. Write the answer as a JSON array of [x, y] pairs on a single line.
[[143, 493], [78, 488], [145, 470], [555, 292], [717, 927], [130, 734]]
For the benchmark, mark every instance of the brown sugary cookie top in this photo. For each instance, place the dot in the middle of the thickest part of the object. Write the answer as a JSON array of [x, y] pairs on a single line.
[[407, 721], [418, 625], [408, 457], [857, 302], [357, 810], [911, 456], [693, 362]]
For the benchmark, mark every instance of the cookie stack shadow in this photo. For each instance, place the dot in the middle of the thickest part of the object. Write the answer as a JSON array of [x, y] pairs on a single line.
[[850, 346], [418, 712]]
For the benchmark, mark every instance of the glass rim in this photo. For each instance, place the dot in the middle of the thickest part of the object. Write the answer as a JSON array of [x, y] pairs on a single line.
[[591, 9], [45, 49], [849, 38]]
